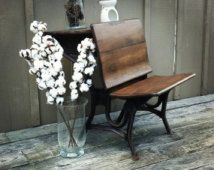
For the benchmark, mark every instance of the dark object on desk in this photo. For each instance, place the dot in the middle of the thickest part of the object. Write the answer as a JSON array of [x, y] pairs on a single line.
[[122, 54], [75, 13]]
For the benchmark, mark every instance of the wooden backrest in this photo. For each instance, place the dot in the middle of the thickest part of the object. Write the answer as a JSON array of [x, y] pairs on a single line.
[[122, 51]]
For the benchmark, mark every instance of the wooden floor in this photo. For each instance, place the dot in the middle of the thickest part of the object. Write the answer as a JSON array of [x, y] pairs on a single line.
[[190, 147]]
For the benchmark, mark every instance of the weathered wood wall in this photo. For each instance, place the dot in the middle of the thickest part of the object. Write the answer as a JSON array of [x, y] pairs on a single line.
[[177, 36]]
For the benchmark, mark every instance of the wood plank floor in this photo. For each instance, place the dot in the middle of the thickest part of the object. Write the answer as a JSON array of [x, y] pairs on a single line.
[[190, 147]]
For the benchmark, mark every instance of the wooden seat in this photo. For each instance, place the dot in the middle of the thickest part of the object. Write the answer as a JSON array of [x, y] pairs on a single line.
[[123, 58], [153, 86]]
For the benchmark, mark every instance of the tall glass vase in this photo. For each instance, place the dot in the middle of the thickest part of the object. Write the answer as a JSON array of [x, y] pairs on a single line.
[[75, 14], [71, 127]]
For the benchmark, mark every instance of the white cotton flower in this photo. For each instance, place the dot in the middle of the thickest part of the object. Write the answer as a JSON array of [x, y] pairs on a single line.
[[35, 46], [53, 92], [53, 72], [61, 90], [85, 43], [89, 71], [48, 50], [91, 59], [79, 66], [84, 87], [42, 26], [50, 83], [50, 99], [57, 66], [59, 100], [60, 82], [77, 77], [43, 54], [25, 53], [42, 85], [46, 76], [92, 46], [82, 55], [79, 47], [40, 33], [32, 70], [37, 39], [38, 64], [73, 85], [47, 39], [47, 64], [34, 27], [34, 53], [74, 94], [89, 82]]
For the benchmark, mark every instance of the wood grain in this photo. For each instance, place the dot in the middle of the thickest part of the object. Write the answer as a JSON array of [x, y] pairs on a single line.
[[116, 35], [123, 54], [187, 149], [122, 65], [154, 85]]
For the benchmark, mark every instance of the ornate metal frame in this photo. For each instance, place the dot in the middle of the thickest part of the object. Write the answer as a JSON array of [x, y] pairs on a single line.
[[127, 115]]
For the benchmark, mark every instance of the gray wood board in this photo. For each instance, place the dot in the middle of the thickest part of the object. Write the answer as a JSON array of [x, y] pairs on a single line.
[[38, 149], [14, 86], [190, 45]]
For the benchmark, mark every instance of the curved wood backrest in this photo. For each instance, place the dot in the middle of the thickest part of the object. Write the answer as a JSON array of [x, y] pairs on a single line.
[[122, 51]]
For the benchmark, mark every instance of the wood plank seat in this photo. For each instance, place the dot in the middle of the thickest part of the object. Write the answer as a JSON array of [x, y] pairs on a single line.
[[124, 63], [153, 86]]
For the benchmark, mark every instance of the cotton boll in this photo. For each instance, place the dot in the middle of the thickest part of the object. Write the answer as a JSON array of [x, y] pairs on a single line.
[[45, 76], [38, 64], [92, 46], [73, 85], [84, 87], [25, 53], [77, 77], [60, 82], [59, 100], [82, 55], [48, 50], [89, 82], [79, 48], [42, 26], [74, 94], [47, 38], [40, 33], [89, 71], [91, 59], [37, 39], [42, 85], [34, 27], [57, 66], [61, 90], [32, 70], [44, 54], [50, 99], [35, 47], [34, 53], [50, 83], [53, 72], [47, 64], [79, 67], [53, 92]]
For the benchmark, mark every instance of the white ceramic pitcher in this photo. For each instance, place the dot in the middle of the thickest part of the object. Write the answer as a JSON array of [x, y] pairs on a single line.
[[108, 12]]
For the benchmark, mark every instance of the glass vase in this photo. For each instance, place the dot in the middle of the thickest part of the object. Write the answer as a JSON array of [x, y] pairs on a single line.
[[75, 14], [71, 127]]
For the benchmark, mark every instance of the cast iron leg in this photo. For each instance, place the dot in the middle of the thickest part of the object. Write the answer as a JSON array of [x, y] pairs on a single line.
[[131, 109], [163, 113], [91, 114]]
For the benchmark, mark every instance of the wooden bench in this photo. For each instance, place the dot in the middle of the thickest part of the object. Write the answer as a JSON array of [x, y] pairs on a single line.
[[123, 58]]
